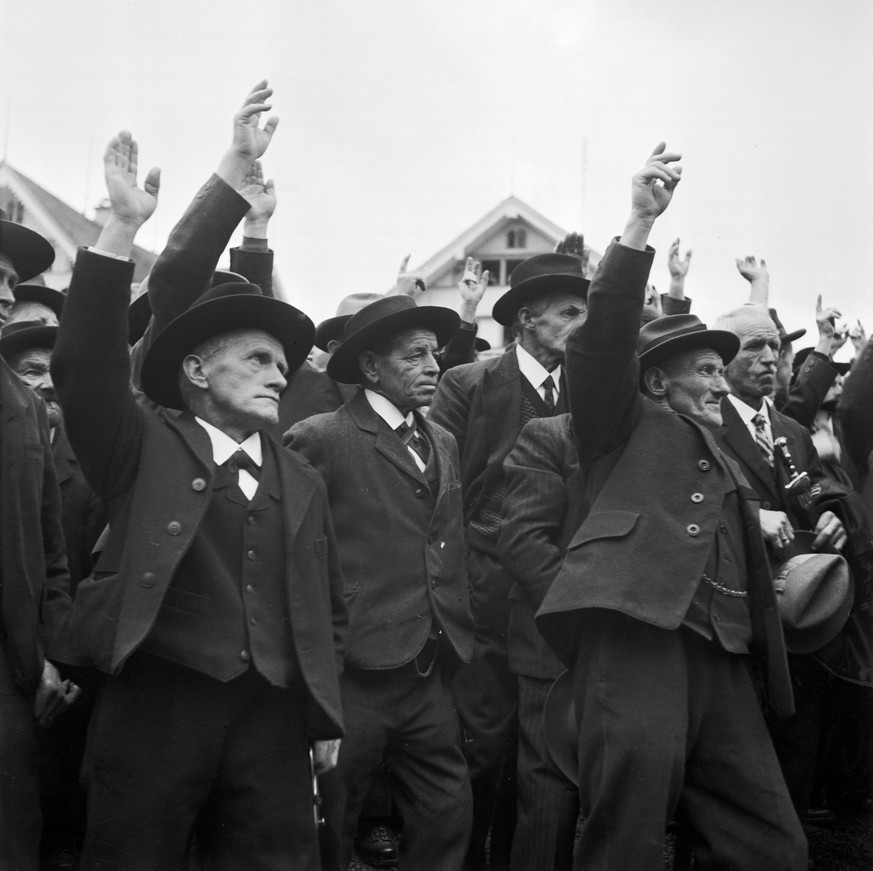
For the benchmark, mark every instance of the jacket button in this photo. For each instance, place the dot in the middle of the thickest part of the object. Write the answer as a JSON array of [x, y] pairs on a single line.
[[253, 621], [251, 520], [433, 584], [249, 588], [765, 506], [198, 484], [419, 493], [251, 554], [245, 656], [697, 497], [693, 530], [148, 579], [174, 527], [704, 465]]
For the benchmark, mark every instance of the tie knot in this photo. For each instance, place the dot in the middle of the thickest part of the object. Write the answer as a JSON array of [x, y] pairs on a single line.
[[241, 460], [549, 383], [759, 420]]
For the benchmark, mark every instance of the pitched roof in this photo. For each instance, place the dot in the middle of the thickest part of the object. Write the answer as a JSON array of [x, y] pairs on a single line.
[[65, 228]]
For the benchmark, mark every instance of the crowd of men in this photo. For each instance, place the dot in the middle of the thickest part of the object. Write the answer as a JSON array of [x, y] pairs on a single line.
[[535, 611]]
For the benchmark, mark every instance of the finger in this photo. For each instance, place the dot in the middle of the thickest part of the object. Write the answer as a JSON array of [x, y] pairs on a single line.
[[687, 255], [270, 187], [818, 306], [658, 149], [763, 263], [486, 277], [674, 248], [152, 183], [404, 263], [271, 125], [134, 158], [477, 271], [468, 266]]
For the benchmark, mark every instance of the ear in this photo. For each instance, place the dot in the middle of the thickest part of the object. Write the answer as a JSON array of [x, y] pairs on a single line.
[[332, 345], [655, 381], [369, 365], [194, 371], [525, 318]]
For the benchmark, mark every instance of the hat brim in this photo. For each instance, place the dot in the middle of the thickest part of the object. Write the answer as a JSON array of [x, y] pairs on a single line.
[[793, 336], [30, 253], [31, 337], [330, 330], [139, 313], [507, 306], [343, 365], [723, 342], [160, 369]]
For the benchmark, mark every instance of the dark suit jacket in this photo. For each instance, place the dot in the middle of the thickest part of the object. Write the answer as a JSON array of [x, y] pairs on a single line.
[[310, 392], [480, 405], [544, 505], [154, 472], [82, 514], [655, 480], [807, 392], [402, 561], [34, 582]]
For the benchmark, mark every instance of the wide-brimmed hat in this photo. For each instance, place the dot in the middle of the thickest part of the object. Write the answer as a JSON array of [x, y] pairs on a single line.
[[139, 312], [29, 252], [560, 729], [539, 276], [803, 353], [665, 336], [21, 335], [381, 319], [333, 329], [222, 309], [814, 594], [47, 296]]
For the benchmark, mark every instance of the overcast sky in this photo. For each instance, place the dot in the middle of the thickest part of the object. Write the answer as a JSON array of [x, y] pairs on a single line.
[[404, 121]]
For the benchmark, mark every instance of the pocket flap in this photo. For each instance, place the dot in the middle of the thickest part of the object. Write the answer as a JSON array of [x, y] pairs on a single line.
[[604, 524]]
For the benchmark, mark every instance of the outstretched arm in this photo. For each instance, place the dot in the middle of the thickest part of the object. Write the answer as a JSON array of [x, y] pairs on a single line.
[[461, 348], [758, 277]]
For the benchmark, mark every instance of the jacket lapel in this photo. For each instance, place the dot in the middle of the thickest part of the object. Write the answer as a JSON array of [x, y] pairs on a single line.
[[735, 435], [500, 392]]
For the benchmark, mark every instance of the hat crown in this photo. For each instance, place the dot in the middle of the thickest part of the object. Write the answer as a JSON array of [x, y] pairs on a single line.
[[231, 288], [19, 326], [665, 328], [377, 311], [354, 302], [541, 265]]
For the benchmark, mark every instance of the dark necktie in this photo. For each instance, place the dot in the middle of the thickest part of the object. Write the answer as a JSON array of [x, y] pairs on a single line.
[[412, 438], [762, 439], [241, 460], [549, 394]]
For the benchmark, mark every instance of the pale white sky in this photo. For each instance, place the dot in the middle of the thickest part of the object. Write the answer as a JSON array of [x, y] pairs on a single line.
[[404, 121]]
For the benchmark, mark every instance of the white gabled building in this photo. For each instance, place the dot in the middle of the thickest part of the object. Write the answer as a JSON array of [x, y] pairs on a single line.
[[501, 239]]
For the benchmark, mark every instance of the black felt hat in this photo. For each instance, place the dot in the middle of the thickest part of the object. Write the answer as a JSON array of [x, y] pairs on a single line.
[[47, 296], [381, 319], [28, 252], [665, 336], [21, 335], [333, 329], [221, 309], [539, 276]]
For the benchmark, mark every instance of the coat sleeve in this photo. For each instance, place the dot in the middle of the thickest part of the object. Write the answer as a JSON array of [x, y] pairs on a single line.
[[602, 365], [809, 390], [91, 371], [255, 265], [534, 509], [451, 404]]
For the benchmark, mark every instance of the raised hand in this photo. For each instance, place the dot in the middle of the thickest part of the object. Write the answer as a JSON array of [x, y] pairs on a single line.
[[858, 335], [261, 197], [408, 283], [652, 187], [472, 286], [677, 265], [129, 204], [751, 270], [250, 141], [830, 339]]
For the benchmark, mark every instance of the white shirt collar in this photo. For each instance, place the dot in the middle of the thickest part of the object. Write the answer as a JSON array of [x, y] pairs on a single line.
[[534, 371], [224, 447], [747, 413], [387, 410]]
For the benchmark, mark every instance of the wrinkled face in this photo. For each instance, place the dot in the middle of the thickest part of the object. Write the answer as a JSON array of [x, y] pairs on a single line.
[[407, 372], [547, 324], [27, 310], [244, 376], [8, 280], [33, 368], [694, 383], [752, 373]]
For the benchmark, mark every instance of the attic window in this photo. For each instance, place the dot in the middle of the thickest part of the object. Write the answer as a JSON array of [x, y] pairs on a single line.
[[516, 238]]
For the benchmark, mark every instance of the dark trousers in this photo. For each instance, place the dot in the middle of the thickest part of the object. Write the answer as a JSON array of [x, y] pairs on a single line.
[[20, 817], [669, 725], [487, 696], [409, 723], [171, 750], [548, 803]]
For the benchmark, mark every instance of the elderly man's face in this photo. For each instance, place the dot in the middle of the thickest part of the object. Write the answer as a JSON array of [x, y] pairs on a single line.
[[752, 373], [548, 324], [28, 310], [33, 368], [8, 280], [407, 374], [245, 376], [694, 385]]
